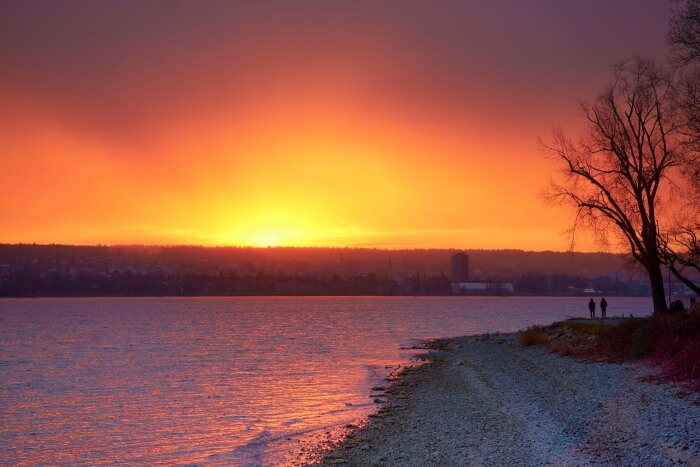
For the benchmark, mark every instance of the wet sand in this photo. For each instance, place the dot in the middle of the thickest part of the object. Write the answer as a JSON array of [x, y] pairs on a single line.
[[484, 400]]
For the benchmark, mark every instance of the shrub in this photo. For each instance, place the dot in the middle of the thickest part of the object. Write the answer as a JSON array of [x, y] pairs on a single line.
[[629, 340], [669, 341], [677, 346], [533, 335], [575, 347]]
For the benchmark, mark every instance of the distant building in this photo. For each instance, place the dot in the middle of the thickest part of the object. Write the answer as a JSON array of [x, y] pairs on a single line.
[[460, 267], [463, 287], [460, 280], [483, 288]]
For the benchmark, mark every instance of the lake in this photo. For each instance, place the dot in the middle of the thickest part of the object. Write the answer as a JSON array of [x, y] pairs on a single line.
[[219, 381]]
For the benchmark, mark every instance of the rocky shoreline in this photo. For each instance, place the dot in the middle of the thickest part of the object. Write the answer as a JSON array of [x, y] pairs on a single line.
[[484, 400]]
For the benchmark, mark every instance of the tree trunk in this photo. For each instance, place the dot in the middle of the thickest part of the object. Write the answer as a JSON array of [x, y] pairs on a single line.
[[658, 295]]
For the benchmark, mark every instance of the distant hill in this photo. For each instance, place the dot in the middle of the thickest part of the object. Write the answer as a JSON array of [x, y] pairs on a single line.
[[319, 261]]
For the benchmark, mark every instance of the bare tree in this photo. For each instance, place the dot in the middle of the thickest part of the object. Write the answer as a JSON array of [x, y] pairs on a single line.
[[684, 38], [681, 245], [617, 174], [684, 34]]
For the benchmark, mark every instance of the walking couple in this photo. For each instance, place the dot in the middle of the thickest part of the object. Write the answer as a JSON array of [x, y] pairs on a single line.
[[603, 307]]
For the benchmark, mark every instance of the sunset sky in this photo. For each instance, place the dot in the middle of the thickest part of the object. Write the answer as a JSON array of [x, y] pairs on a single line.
[[390, 124]]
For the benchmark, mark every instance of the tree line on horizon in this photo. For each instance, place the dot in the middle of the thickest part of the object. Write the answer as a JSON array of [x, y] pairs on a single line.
[[483, 263], [30, 283], [63, 270]]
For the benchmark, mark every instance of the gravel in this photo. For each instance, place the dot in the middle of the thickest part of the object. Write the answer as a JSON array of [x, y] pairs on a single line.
[[484, 400]]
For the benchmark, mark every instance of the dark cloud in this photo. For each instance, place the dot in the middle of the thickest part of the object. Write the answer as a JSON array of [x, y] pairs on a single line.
[[128, 66]]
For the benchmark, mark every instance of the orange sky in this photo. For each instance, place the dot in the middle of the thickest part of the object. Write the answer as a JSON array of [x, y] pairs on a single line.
[[406, 124]]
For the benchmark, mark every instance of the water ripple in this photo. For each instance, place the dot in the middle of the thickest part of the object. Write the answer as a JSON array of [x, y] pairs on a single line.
[[210, 381]]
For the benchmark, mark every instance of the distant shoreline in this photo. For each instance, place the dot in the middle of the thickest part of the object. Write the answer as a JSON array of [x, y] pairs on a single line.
[[65, 270], [485, 400], [320, 295]]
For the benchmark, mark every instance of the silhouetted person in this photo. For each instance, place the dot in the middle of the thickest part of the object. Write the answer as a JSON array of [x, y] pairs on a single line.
[[591, 308], [603, 306]]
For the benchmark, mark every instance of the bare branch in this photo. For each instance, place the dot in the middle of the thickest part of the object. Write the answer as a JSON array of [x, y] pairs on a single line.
[[613, 176]]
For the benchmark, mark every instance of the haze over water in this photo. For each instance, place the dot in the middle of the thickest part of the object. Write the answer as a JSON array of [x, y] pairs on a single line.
[[218, 381]]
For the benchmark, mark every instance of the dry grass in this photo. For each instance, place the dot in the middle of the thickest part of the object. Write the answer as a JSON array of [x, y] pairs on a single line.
[[669, 342], [578, 345], [588, 328], [533, 335]]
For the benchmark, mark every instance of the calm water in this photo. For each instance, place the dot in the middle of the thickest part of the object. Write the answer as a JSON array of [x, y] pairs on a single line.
[[217, 381]]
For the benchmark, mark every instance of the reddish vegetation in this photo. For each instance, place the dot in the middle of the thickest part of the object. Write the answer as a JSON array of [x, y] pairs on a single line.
[[668, 342], [676, 348]]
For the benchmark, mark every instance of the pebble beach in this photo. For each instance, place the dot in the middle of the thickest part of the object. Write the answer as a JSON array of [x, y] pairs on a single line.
[[484, 400]]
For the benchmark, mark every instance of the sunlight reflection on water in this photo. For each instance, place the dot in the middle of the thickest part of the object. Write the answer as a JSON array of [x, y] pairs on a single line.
[[217, 380]]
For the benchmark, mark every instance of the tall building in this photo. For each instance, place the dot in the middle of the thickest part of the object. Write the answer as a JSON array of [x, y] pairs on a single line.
[[460, 267]]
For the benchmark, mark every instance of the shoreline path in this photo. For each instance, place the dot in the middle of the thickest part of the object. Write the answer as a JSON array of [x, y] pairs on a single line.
[[486, 401]]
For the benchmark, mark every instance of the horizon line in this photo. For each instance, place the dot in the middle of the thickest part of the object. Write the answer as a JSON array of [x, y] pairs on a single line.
[[300, 247]]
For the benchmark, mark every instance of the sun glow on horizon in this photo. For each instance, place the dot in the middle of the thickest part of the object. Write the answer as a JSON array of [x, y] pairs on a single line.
[[341, 125], [304, 186]]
